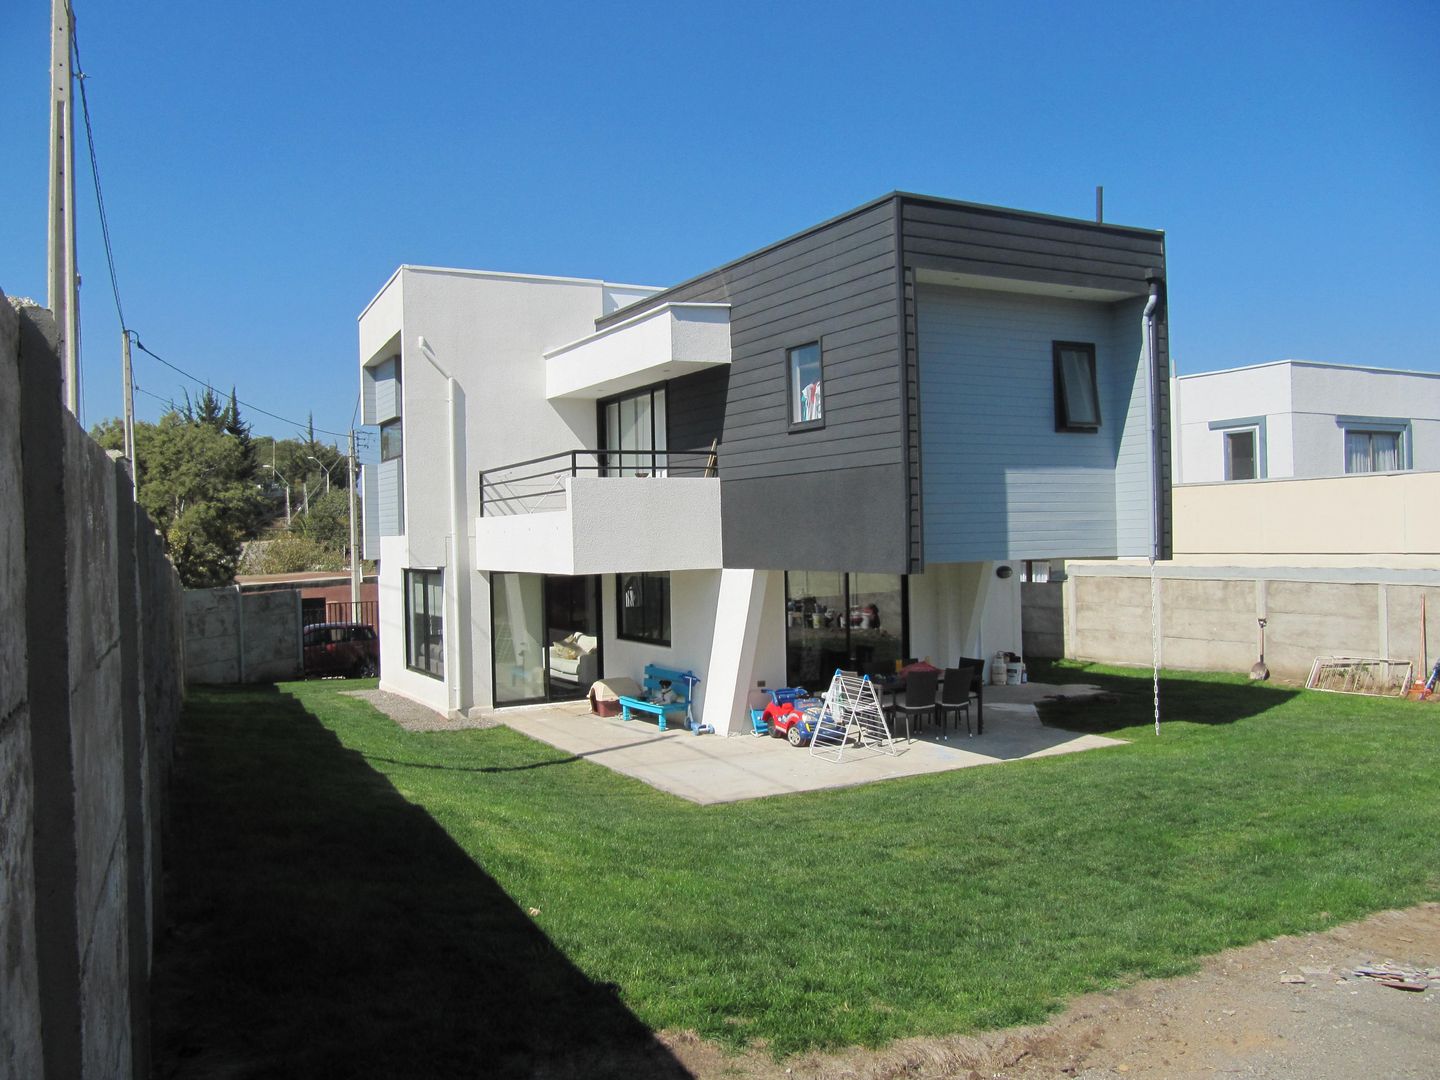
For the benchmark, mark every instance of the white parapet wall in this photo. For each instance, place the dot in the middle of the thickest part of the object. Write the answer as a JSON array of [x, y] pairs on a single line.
[[610, 525]]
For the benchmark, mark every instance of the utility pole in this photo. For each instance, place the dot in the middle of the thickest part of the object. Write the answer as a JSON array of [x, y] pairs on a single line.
[[61, 272], [354, 545], [129, 408]]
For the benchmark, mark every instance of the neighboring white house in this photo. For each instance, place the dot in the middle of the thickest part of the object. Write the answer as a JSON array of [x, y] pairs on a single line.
[[824, 454], [1297, 418]]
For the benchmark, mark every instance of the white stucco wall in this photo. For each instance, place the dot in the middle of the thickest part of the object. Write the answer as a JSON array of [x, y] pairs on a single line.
[[693, 596], [963, 609], [1301, 402], [608, 525], [489, 331], [394, 675], [1228, 395]]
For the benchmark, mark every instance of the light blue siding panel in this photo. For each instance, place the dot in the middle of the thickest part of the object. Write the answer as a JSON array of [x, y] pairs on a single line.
[[999, 481], [1133, 519], [387, 390], [370, 510], [367, 395], [391, 497]]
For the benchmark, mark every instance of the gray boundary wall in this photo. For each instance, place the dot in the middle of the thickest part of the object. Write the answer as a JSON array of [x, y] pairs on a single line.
[[90, 693], [242, 637], [1208, 615]]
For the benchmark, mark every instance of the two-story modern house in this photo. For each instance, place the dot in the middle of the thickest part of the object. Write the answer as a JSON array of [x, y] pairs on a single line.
[[1299, 418], [823, 454]]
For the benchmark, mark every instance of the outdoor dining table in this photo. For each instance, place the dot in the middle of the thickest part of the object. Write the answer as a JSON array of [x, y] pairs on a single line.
[[894, 685]]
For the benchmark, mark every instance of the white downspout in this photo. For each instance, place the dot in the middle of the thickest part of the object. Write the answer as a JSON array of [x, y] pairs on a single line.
[[454, 541], [1150, 349]]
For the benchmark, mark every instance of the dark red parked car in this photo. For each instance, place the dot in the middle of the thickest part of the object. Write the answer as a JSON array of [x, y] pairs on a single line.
[[341, 648]]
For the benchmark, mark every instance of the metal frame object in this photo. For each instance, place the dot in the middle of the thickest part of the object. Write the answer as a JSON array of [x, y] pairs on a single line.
[[852, 707], [1360, 675]]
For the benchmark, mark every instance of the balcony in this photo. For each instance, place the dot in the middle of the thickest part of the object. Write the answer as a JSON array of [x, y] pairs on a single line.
[[600, 512], [665, 342]]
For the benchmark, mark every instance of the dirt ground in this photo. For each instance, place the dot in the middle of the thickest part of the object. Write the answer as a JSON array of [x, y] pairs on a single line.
[[1292, 1007]]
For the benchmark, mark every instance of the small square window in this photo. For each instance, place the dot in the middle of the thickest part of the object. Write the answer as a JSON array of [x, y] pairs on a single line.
[[1077, 395], [1240, 455], [391, 440], [806, 404]]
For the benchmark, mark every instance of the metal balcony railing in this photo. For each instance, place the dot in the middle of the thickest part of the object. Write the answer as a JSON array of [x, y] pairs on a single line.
[[538, 485]]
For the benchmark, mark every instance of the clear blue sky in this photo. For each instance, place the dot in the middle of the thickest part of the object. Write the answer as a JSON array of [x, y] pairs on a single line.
[[267, 165]]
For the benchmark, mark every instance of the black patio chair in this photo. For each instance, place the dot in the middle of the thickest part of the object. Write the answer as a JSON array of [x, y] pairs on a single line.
[[956, 695], [919, 697]]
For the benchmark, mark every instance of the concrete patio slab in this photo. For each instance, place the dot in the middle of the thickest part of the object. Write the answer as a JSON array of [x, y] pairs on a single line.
[[707, 769]]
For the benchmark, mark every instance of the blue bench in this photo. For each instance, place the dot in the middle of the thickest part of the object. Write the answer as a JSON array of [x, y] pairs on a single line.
[[682, 688]]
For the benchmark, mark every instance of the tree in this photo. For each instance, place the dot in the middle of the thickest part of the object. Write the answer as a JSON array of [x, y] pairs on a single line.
[[198, 485], [328, 521]]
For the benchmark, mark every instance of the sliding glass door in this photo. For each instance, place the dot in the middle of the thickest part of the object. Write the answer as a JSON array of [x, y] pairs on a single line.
[[546, 635], [635, 423], [834, 620]]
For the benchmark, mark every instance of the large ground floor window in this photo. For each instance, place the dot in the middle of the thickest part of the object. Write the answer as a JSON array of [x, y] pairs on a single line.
[[424, 622], [853, 621]]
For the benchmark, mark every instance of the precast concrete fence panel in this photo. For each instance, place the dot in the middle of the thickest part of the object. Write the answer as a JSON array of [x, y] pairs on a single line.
[[90, 694]]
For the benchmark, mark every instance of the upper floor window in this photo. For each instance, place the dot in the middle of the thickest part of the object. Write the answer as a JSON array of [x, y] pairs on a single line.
[[1372, 451], [1077, 394], [635, 425], [1240, 455], [806, 396], [391, 440]]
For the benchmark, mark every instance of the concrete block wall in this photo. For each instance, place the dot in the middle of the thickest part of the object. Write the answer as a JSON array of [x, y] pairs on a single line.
[[89, 699], [242, 637], [1208, 615], [1042, 619]]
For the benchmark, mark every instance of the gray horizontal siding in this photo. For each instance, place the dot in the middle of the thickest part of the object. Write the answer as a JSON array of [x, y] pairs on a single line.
[[1010, 244], [695, 409], [835, 284]]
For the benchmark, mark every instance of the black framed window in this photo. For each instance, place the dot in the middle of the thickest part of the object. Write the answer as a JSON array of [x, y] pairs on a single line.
[[643, 608], [637, 425], [806, 371], [425, 622], [392, 440], [1077, 393]]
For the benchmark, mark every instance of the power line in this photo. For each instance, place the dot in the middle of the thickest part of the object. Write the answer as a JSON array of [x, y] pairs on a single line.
[[95, 175], [252, 407]]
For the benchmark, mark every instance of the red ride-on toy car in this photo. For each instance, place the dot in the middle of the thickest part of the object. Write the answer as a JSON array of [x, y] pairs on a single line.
[[793, 714]]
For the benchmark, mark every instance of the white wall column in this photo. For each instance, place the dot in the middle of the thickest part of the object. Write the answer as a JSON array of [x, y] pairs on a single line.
[[739, 616]]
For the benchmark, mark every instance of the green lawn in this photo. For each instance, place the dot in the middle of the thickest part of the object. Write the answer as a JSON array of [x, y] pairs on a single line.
[[315, 844]]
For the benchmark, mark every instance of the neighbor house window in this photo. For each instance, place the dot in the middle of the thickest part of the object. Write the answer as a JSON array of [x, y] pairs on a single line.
[[1240, 455], [806, 396], [425, 622], [644, 608], [1077, 396], [1372, 451], [391, 440]]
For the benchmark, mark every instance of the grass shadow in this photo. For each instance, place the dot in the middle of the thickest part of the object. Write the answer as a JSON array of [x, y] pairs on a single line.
[[318, 924], [1128, 702]]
